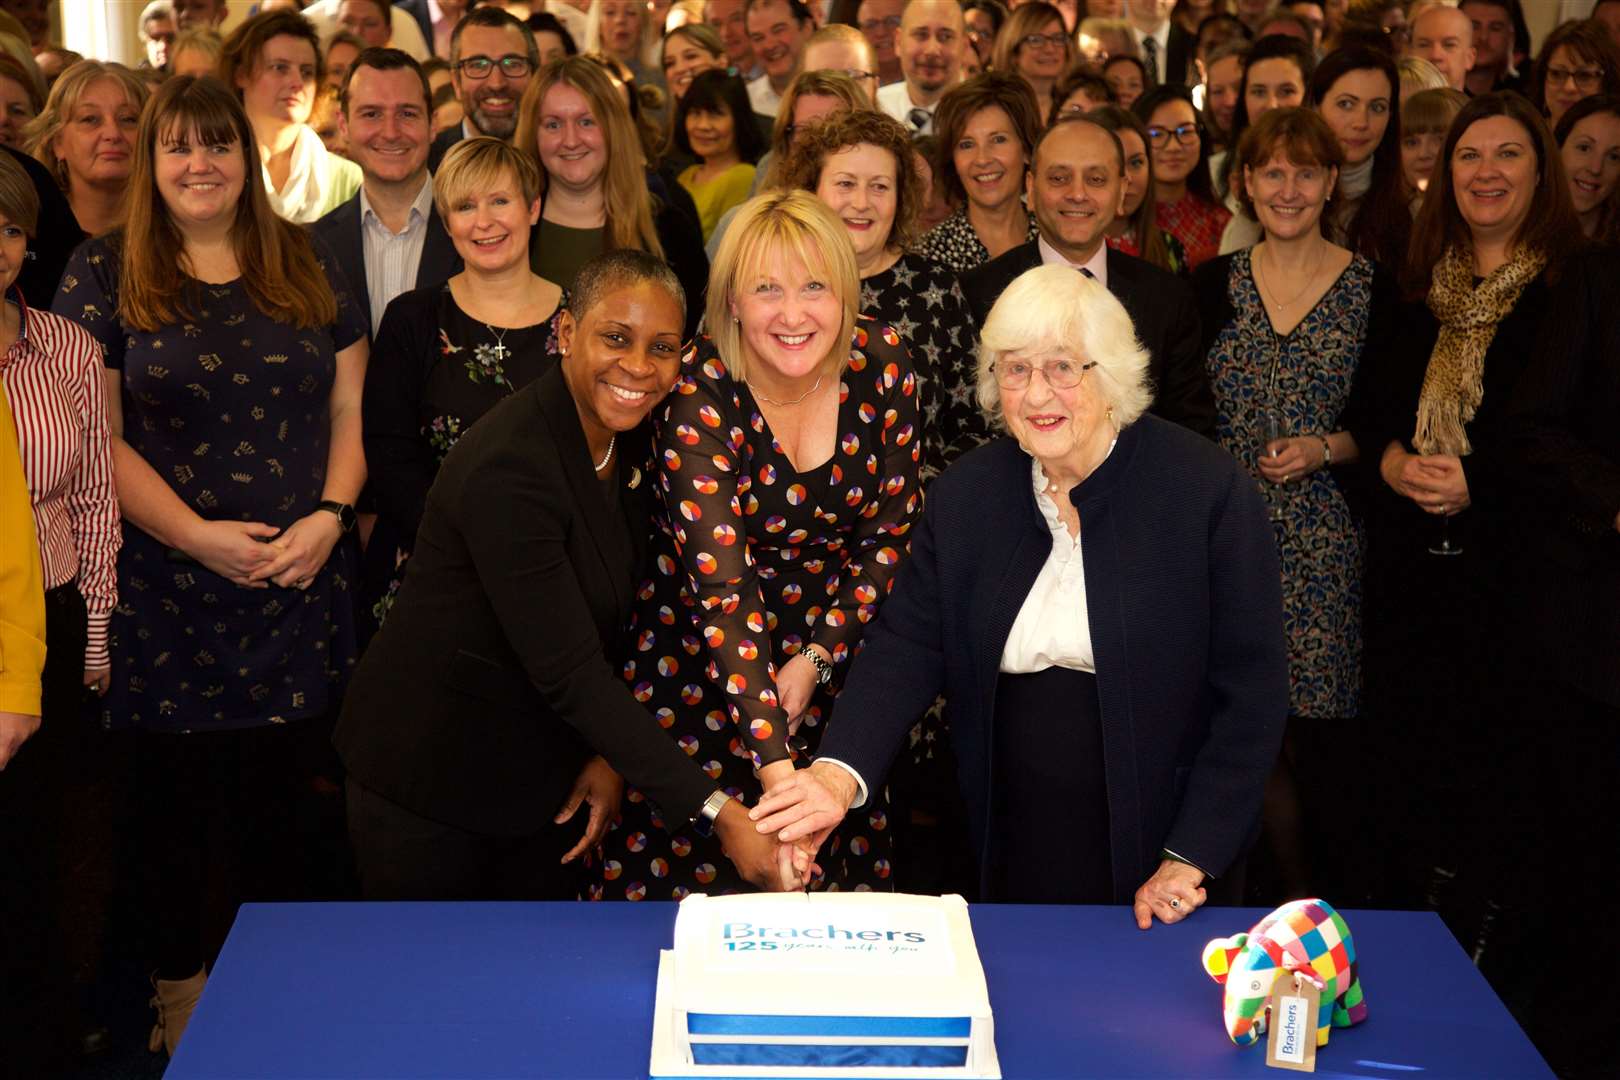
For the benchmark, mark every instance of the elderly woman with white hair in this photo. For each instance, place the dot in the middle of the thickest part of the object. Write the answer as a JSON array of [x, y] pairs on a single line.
[[1111, 650]]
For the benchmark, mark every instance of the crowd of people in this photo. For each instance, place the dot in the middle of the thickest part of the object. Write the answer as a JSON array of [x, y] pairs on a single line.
[[1141, 452]]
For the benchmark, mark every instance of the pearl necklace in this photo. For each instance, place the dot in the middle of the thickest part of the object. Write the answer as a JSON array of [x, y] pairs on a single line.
[[607, 457]]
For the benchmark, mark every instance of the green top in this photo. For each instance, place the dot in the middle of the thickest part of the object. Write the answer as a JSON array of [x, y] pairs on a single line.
[[556, 252], [715, 197]]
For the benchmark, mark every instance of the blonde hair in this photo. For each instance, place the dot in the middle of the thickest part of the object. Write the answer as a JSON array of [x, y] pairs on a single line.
[[768, 228], [477, 164], [624, 181], [1430, 112], [1054, 310], [43, 129], [1419, 74]]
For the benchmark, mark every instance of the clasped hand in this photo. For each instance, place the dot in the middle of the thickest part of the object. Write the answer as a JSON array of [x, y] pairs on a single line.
[[255, 555], [1435, 482]]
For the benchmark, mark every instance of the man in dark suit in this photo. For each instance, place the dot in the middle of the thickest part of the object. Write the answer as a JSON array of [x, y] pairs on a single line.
[[492, 58], [1076, 188], [388, 238], [1167, 50]]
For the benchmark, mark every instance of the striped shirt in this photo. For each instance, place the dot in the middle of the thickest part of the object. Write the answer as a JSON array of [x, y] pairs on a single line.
[[53, 382]]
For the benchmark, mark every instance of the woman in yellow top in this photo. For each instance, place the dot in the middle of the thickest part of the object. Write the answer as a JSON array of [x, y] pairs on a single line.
[[715, 124], [22, 598]]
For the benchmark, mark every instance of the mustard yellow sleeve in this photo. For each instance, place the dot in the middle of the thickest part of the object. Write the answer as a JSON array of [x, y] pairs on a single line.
[[22, 582]]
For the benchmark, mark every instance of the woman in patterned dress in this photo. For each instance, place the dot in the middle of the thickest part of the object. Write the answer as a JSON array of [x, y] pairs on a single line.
[[235, 363], [447, 354], [1287, 323], [987, 130], [860, 164], [791, 457]]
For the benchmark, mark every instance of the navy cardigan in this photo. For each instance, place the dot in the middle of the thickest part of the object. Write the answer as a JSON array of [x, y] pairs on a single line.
[[1185, 606]]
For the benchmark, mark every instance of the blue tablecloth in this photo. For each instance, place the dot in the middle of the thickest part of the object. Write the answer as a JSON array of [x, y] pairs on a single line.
[[566, 990]]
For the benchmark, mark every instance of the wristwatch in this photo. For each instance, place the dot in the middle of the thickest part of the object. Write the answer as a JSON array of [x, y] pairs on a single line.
[[709, 813], [345, 512], [824, 670]]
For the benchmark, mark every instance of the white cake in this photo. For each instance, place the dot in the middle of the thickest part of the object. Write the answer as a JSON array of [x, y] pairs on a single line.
[[824, 984]]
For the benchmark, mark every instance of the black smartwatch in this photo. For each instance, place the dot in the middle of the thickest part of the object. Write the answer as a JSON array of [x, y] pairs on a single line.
[[345, 512]]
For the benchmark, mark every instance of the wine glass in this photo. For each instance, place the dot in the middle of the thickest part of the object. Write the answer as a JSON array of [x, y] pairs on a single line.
[[1444, 545], [1272, 428]]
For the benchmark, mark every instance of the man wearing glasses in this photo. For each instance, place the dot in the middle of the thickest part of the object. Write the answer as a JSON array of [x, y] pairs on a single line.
[[492, 56], [930, 48], [879, 21]]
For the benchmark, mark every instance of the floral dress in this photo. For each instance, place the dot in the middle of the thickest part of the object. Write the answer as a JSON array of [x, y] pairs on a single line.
[[1305, 377], [230, 407], [753, 561], [434, 371]]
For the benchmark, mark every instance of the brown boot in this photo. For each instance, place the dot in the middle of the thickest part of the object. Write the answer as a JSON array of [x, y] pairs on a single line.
[[174, 1001]]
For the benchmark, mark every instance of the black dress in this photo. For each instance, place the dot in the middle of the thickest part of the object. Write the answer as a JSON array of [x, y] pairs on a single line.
[[756, 560], [1443, 651], [921, 301], [434, 372], [230, 407]]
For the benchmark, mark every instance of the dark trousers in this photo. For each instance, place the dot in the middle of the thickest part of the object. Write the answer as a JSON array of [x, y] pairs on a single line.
[[39, 849], [232, 817], [404, 856]]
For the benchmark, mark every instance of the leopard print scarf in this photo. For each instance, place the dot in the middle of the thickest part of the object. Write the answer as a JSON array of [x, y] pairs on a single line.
[[1454, 386]]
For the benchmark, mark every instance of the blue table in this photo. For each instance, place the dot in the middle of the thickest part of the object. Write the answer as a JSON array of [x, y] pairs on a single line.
[[566, 990]]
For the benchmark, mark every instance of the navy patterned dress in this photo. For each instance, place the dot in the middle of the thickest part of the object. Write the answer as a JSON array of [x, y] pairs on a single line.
[[230, 408], [1306, 377], [753, 561]]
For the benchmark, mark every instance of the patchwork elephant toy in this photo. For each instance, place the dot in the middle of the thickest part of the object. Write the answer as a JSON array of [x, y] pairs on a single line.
[[1306, 936]]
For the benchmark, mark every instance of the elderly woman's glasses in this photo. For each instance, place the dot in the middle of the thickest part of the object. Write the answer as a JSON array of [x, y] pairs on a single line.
[[479, 67], [1586, 80], [1059, 374], [1159, 137], [1035, 41]]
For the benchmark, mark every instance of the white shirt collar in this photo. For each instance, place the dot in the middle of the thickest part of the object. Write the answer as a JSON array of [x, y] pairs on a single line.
[[1097, 264], [420, 206]]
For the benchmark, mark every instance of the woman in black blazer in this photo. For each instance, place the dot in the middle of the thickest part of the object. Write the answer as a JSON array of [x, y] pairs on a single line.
[[1111, 650], [480, 718]]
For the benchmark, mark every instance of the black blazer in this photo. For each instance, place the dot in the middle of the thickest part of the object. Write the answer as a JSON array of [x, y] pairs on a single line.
[[341, 230], [418, 10], [1158, 302], [54, 239], [442, 144], [1185, 606], [495, 676], [1561, 425]]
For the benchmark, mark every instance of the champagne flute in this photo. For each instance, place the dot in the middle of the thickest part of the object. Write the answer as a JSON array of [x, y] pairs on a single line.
[[1444, 545], [1272, 428]]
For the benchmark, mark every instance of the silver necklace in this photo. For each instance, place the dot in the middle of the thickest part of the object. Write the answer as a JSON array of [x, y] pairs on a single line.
[[500, 350], [786, 404], [607, 457]]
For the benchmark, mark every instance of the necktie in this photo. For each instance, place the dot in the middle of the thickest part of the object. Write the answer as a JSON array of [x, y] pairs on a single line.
[[1150, 59], [1088, 273]]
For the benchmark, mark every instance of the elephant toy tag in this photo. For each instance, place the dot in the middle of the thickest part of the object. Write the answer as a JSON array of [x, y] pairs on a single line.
[[1292, 1030]]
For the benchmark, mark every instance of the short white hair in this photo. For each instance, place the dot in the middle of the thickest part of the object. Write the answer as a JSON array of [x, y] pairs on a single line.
[[1056, 310]]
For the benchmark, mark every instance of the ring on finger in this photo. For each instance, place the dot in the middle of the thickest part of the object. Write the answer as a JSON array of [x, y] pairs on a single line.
[[1175, 903]]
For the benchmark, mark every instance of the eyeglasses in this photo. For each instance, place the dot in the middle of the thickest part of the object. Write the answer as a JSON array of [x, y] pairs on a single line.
[[854, 73], [1159, 137], [1059, 374], [1035, 41], [1586, 80], [888, 22], [479, 67]]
